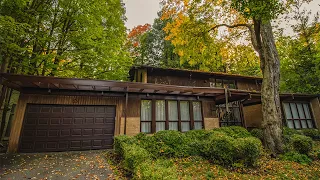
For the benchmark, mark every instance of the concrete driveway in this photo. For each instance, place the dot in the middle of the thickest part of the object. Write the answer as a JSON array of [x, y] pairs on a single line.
[[60, 165]]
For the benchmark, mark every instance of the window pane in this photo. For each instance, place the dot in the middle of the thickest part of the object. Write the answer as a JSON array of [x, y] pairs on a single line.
[[173, 110], [307, 111], [185, 126], [197, 116], [236, 113], [290, 124], [160, 126], [297, 124], [173, 126], [184, 110], [294, 111], [218, 83], [197, 125], [146, 127], [287, 110], [232, 85], [300, 110], [145, 110], [160, 111], [304, 124], [310, 124]]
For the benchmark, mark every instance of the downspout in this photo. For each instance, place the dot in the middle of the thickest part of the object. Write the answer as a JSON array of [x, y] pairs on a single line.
[[125, 114]]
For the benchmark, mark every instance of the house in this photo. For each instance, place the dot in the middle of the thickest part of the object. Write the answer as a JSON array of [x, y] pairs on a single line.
[[62, 114]]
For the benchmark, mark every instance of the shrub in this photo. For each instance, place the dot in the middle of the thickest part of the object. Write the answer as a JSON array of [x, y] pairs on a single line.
[[296, 157], [248, 150], [257, 133], [220, 149], [234, 131], [133, 156], [301, 144], [159, 169], [172, 143], [121, 141], [290, 132], [197, 134], [313, 133]]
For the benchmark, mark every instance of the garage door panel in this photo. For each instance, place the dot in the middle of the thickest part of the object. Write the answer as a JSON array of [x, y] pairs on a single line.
[[62, 128]]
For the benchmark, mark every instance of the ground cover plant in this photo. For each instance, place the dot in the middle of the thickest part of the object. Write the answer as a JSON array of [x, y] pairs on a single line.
[[227, 152]]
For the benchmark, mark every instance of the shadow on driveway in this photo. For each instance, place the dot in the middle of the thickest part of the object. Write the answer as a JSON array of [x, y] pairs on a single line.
[[55, 165]]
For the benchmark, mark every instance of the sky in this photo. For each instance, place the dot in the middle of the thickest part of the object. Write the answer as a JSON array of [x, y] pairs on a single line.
[[140, 12]]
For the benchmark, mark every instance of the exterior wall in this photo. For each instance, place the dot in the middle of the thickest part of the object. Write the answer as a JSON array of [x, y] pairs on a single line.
[[252, 116], [133, 118], [180, 81], [248, 85], [315, 104], [24, 99], [211, 123]]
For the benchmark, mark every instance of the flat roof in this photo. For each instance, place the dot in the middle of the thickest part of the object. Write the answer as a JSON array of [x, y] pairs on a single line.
[[21, 82]]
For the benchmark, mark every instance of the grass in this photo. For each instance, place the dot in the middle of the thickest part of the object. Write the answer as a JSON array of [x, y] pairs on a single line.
[[267, 168]]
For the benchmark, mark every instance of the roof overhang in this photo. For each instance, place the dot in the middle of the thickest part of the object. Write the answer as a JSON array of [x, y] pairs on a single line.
[[47, 83]]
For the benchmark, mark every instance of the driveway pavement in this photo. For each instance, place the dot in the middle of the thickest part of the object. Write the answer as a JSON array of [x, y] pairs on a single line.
[[61, 165]]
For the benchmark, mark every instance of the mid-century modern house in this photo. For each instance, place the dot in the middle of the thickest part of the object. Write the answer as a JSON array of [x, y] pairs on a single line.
[[63, 114]]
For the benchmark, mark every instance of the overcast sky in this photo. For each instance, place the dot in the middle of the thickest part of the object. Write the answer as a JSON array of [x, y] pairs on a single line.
[[140, 12]]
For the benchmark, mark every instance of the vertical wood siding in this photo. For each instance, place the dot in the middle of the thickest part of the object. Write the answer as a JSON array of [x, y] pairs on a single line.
[[58, 99]]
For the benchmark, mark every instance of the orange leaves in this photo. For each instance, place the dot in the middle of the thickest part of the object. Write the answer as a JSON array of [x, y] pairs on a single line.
[[138, 30]]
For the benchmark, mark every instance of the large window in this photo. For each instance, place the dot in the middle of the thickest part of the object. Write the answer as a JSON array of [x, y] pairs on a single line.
[[298, 115], [159, 115]]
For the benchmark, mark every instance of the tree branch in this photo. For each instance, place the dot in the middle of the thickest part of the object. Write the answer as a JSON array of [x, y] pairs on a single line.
[[231, 26]]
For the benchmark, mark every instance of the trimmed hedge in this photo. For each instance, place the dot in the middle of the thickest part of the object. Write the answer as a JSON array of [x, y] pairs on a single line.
[[257, 133], [313, 133], [226, 146], [300, 143], [234, 131]]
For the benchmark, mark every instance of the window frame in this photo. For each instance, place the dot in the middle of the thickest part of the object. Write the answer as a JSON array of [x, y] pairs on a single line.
[[153, 114], [284, 114]]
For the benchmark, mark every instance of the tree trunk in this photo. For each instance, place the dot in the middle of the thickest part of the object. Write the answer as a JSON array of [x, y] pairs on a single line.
[[270, 66]]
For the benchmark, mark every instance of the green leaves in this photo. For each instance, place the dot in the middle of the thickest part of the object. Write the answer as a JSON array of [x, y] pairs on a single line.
[[66, 38]]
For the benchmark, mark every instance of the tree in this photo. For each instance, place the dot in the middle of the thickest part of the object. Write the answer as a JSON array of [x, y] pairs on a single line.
[[73, 38], [66, 38], [148, 46], [300, 53], [237, 15]]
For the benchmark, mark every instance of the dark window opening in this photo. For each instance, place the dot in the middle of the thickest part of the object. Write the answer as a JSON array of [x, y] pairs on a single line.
[[298, 115]]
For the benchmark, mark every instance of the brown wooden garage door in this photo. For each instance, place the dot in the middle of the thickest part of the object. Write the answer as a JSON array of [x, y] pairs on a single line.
[[66, 128]]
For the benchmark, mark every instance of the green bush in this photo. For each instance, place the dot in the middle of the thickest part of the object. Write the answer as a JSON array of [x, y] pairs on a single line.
[[197, 134], [290, 132], [159, 169], [121, 141], [313, 133], [234, 131], [296, 157], [257, 133], [300, 143], [133, 156], [172, 143], [220, 149], [248, 150]]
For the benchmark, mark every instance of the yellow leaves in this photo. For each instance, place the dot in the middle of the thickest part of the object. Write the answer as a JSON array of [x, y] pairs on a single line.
[[180, 53]]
